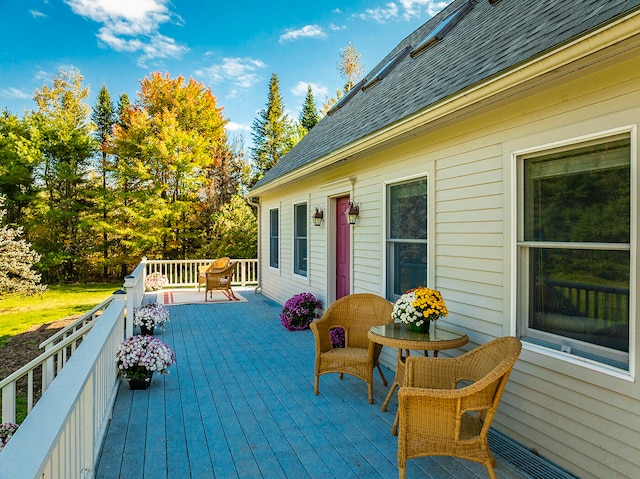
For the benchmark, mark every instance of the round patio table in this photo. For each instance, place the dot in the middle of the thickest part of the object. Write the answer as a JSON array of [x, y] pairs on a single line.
[[398, 335]]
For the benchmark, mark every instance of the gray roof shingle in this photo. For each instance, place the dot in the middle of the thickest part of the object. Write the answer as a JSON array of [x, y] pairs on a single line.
[[489, 40]]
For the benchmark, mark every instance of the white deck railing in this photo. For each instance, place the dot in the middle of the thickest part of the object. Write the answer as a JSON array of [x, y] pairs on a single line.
[[185, 272], [62, 435], [58, 349], [64, 429]]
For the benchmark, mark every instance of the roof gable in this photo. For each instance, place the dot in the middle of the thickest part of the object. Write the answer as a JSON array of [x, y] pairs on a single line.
[[487, 40]]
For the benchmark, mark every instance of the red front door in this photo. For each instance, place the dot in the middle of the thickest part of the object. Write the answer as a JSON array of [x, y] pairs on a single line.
[[343, 249]]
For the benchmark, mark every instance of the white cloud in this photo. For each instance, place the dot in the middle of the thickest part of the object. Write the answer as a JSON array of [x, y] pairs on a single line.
[[232, 126], [241, 73], [337, 28], [36, 13], [403, 9], [15, 93], [381, 14], [132, 26], [308, 31], [300, 90]]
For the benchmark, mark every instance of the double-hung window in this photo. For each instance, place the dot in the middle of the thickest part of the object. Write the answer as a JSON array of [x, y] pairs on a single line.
[[274, 238], [300, 239], [574, 253], [406, 236]]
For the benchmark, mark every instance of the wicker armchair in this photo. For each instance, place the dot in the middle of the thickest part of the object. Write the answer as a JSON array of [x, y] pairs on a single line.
[[219, 263], [355, 313], [436, 419], [220, 280]]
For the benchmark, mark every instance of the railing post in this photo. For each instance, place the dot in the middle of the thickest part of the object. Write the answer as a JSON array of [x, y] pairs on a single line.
[[130, 290], [9, 402]]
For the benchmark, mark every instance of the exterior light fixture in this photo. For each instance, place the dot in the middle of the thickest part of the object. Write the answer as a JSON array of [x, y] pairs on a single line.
[[353, 212], [318, 216]]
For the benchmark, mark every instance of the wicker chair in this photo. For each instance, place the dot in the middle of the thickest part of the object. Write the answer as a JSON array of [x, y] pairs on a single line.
[[356, 314], [447, 404], [219, 263], [220, 280]]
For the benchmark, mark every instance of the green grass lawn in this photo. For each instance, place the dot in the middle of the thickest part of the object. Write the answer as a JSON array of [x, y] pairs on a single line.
[[20, 314]]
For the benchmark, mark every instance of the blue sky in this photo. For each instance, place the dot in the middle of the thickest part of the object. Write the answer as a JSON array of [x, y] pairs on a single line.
[[231, 46]]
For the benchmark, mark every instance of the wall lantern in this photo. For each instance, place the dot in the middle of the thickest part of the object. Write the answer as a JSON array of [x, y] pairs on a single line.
[[318, 216], [353, 212]]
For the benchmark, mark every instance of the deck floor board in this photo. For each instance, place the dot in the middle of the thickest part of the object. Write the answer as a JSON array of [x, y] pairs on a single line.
[[239, 403]]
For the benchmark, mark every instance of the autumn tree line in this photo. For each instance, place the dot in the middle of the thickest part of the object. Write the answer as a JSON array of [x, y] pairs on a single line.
[[94, 188]]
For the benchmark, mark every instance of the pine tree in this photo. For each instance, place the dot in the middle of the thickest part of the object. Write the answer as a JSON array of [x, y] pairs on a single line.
[[309, 116], [103, 115], [273, 133]]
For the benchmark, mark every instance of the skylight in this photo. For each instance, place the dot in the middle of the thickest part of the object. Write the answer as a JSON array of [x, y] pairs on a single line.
[[386, 68], [343, 101], [441, 29]]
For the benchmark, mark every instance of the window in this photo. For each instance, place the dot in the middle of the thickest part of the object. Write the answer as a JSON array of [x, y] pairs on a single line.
[[406, 236], [574, 250], [300, 239], [274, 238]]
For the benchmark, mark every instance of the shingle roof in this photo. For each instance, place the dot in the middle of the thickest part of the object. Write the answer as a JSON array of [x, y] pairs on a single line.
[[490, 39]]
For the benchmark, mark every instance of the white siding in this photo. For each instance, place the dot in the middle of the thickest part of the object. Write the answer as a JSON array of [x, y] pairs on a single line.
[[583, 419]]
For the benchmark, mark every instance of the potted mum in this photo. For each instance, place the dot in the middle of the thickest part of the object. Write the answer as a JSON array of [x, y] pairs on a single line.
[[7, 429], [155, 281], [150, 316], [418, 307], [299, 311], [138, 357]]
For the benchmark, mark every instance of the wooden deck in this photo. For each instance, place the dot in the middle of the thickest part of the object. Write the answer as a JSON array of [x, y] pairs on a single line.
[[239, 403]]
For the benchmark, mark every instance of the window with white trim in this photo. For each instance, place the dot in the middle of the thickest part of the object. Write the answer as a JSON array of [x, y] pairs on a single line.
[[406, 238], [274, 238], [574, 249], [300, 239]]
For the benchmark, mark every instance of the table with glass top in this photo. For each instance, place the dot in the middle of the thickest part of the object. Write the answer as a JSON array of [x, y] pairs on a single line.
[[398, 335]]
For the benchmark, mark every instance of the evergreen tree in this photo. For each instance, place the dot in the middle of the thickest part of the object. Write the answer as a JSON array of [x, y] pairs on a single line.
[[309, 116], [103, 116], [16, 261], [273, 133], [123, 104], [61, 230]]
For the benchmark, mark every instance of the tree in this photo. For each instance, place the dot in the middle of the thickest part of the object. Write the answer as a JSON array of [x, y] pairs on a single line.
[[234, 231], [60, 230], [103, 115], [123, 105], [349, 66], [166, 142], [351, 70], [20, 153], [273, 133], [309, 116], [16, 261]]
